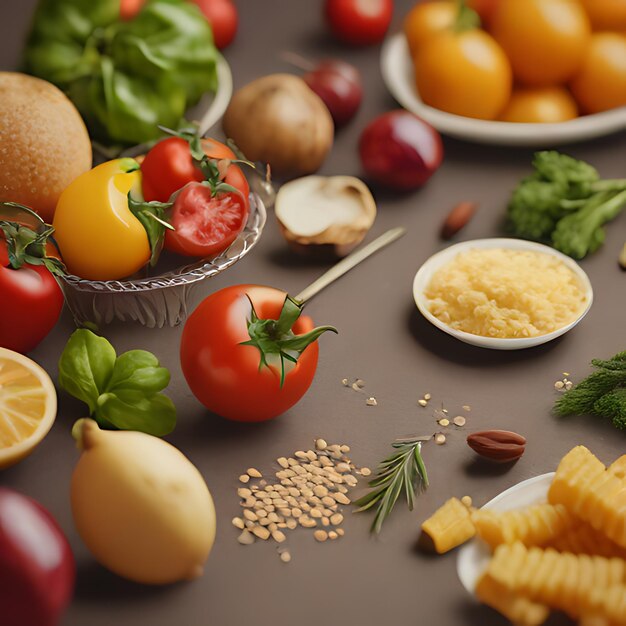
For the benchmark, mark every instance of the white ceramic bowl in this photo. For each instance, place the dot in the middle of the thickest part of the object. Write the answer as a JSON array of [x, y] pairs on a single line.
[[399, 76], [425, 273], [474, 556]]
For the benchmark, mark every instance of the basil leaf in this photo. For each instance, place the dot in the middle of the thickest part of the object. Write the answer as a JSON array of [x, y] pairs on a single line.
[[85, 366], [152, 218], [138, 370], [129, 409], [170, 38], [125, 78]]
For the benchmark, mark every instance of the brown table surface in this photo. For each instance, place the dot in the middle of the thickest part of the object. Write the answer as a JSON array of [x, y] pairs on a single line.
[[383, 340]]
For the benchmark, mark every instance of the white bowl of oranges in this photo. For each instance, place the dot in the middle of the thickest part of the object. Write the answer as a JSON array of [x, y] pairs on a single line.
[[535, 74]]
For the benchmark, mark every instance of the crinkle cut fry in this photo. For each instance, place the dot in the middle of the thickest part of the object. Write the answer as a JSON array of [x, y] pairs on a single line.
[[516, 608], [535, 525], [588, 491], [578, 585]]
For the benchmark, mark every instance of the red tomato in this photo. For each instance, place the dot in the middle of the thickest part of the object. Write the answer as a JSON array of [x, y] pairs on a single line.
[[224, 374], [168, 166], [222, 15], [130, 8], [31, 304], [359, 22], [205, 225]]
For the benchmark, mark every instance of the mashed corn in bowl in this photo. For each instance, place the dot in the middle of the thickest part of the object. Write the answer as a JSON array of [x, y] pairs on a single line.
[[505, 294]]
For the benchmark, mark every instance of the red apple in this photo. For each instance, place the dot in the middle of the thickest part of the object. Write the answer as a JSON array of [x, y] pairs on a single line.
[[400, 150], [37, 568]]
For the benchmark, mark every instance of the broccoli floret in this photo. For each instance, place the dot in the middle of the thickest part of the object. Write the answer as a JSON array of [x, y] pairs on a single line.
[[564, 202], [566, 170], [581, 232]]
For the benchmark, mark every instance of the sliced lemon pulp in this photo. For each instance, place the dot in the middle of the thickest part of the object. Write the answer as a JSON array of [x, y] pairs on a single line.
[[28, 406]]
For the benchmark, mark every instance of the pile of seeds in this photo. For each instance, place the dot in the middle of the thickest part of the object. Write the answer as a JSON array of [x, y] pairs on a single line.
[[308, 491]]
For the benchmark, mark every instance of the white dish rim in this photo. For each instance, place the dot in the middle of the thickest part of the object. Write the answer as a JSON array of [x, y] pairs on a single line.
[[474, 556]]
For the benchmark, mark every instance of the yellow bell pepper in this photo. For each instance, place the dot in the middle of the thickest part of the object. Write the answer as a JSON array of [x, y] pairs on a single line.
[[99, 237]]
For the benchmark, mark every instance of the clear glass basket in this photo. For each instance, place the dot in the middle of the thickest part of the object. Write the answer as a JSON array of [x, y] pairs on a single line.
[[159, 300]]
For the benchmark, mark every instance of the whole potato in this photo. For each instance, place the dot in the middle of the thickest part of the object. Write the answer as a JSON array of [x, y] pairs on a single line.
[[279, 120]]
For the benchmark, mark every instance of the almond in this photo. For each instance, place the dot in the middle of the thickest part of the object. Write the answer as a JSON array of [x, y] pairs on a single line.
[[457, 219], [501, 446]]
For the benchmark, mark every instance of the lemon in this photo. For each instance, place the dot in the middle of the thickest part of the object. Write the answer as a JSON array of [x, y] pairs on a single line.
[[28, 406]]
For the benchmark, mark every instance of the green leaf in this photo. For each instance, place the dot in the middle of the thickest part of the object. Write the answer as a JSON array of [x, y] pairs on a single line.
[[129, 409], [152, 217], [85, 366], [403, 471], [138, 370]]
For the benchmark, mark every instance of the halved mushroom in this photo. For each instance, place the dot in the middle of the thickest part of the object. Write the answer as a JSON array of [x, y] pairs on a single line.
[[322, 214]]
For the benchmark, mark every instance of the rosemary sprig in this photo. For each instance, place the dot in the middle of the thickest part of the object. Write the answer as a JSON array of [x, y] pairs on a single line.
[[403, 471]]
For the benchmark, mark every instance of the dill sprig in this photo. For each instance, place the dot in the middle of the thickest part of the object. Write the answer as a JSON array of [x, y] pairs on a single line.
[[602, 393], [403, 471]]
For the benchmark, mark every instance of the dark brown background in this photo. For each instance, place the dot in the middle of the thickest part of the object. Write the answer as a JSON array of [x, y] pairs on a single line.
[[359, 579]]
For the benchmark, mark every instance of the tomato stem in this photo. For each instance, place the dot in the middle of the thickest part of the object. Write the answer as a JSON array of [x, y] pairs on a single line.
[[276, 337], [466, 18]]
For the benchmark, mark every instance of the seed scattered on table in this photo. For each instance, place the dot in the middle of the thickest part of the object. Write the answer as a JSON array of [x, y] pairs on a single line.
[[285, 556], [427, 396], [422, 402], [332, 535], [320, 444], [320, 535], [466, 407], [366, 471], [254, 473], [246, 538], [440, 439], [444, 421], [371, 401], [459, 420], [238, 523], [345, 382], [244, 478]]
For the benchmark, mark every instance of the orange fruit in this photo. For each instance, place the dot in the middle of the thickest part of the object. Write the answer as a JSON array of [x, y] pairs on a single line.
[[28, 406], [540, 105]]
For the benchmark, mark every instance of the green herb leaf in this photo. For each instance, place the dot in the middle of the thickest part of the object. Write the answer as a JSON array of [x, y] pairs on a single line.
[[403, 471], [124, 77], [128, 409], [121, 392], [85, 366]]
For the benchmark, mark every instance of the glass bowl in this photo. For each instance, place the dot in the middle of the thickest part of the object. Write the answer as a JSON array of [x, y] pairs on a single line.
[[162, 299]]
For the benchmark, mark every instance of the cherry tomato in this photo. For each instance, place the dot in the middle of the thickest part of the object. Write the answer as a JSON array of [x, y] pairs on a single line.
[[32, 304], [540, 105], [130, 8], [359, 22], [400, 150], [168, 166], [606, 14], [224, 374], [205, 224], [223, 18], [427, 19], [465, 73], [545, 40], [37, 568], [601, 82]]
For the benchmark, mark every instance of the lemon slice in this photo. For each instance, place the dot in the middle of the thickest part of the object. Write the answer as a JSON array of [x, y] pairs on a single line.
[[28, 406]]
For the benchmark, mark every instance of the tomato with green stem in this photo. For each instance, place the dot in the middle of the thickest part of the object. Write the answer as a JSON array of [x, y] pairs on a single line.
[[248, 354], [32, 299]]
